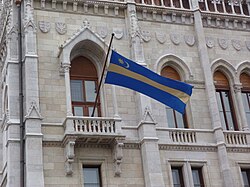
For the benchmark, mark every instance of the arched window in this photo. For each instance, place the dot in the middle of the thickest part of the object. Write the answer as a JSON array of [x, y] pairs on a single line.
[[245, 81], [83, 84], [224, 101], [175, 119]]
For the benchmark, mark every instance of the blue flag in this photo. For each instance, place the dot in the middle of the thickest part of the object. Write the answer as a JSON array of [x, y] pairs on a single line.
[[126, 73]]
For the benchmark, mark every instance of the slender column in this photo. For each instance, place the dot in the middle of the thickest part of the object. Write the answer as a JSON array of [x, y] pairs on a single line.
[[237, 90], [248, 6], [206, 5], [232, 6], [215, 6], [241, 9], [212, 103], [66, 68]]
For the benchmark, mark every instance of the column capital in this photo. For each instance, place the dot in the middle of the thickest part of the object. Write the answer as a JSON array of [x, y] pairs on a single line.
[[237, 87]]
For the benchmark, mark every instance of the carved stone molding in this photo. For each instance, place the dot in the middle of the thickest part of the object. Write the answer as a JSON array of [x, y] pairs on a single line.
[[118, 155], [237, 87], [238, 149], [118, 33], [223, 43], [132, 146], [210, 42], [175, 38], [189, 39], [161, 37], [52, 143], [188, 148], [69, 143], [44, 26], [33, 112], [61, 28], [236, 44]]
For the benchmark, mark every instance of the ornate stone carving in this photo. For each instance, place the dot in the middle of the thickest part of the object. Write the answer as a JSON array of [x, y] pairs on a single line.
[[146, 35], [236, 44], [247, 45], [189, 39], [118, 155], [175, 38], [44, 26], [33, 111], [223, 43], [161, 37], [86, 24], [69, 144], [118, 33], [209, 42], [237, 88], [102, 31], [61, 28]]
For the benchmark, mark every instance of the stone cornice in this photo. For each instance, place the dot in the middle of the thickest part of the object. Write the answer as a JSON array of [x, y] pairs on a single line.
[[178, 147]]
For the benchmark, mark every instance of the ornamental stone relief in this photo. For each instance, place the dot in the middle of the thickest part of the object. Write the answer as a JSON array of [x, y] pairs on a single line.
[[161, 37], [209, 42], [236, 44], [102, 31], [44, 26], [175, 38], [118, 33], [189, 39], [223, 43], [146, 35], [61, 28]]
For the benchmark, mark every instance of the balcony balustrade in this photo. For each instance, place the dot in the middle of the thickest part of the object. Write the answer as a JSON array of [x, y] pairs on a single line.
[[236, 138], [93, 129]]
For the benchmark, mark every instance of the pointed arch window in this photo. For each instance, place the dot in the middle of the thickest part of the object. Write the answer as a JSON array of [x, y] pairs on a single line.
[[83, 85], [175, 119], [224, 101], [245, 91]]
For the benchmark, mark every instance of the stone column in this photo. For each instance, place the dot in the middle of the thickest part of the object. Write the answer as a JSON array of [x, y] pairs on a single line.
[[237, 90], [211, 96], [34, 176], [147, 133], [66, 68]]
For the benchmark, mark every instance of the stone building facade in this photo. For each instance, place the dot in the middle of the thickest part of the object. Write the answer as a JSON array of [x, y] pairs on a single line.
[[133, 141]]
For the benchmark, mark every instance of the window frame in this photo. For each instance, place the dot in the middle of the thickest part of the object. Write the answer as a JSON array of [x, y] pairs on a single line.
[[200, 173], [232, 110], [85, 105], [175, 76], [248, 175], [180, 173], [92, 166]]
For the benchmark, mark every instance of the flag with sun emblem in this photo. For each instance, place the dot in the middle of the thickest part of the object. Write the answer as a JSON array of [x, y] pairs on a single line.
[[126, 73]]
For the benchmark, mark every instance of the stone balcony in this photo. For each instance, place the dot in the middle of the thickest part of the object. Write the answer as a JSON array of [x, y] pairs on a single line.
[[101, 130], [92, 130]]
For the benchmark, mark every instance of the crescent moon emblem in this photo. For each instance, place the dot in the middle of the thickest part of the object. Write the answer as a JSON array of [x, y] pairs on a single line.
[[127, 64]]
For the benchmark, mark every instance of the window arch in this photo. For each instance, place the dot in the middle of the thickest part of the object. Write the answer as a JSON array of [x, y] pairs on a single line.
[[224, 101], [245, 91], [175, 119], [83, 86]]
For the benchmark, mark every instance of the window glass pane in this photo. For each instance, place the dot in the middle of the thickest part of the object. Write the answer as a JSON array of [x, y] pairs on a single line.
[[179, 119], [170, 117], [245, 102], [78, 111], [90, 91], [245, 177], [90, 108], [196, 177], [230, 121], [76, 90], [91, 177], [223, 121], [225, 97], [248, 118], [176, 176], [219, 101]]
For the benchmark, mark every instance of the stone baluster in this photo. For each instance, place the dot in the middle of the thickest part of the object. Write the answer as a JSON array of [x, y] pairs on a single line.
[[232, 6], [223, 6], [241, 9]]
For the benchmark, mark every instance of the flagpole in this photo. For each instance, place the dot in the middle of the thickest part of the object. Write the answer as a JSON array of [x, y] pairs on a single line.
[[103, 71]]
